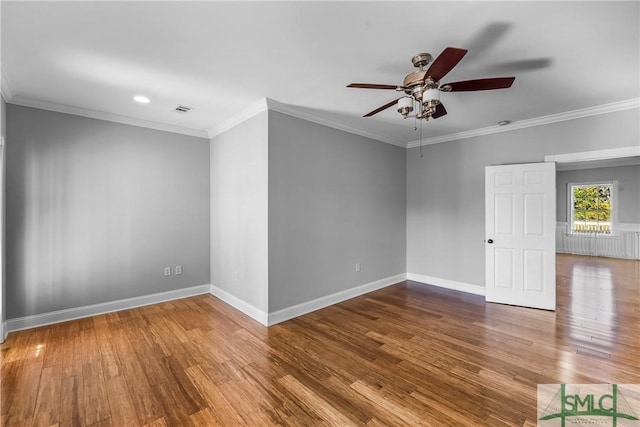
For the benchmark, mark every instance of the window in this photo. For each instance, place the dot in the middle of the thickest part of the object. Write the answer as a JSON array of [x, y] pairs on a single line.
[[592, 208]]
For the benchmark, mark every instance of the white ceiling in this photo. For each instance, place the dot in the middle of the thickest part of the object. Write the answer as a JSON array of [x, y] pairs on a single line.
[[222, 57]]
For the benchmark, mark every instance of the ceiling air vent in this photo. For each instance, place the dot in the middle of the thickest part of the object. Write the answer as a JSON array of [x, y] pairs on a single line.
[[183, 109]]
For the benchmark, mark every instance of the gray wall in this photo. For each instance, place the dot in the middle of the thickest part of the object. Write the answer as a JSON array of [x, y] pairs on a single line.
[[334, 199], [3, 132], [445, 188], [239, 222], [96, 209], [628, 178]]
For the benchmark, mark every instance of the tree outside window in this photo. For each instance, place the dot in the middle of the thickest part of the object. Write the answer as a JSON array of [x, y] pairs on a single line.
[[591, 208]]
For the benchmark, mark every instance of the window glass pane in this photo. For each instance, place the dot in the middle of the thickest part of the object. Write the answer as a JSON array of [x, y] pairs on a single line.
[[591, 209], [592, 216], [604, 192]]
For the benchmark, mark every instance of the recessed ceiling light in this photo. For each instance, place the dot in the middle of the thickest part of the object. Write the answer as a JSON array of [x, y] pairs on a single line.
[[141, 99]]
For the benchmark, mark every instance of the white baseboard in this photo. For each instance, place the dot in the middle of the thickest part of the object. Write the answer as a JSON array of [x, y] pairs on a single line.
[[446, 283], [235, 302], [58, 316], [325, 301], [266, 319]]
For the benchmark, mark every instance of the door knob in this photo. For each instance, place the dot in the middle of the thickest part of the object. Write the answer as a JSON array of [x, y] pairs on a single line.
[[490, 241]]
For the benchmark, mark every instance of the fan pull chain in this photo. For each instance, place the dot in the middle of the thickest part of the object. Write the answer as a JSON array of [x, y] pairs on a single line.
[[420, 138]]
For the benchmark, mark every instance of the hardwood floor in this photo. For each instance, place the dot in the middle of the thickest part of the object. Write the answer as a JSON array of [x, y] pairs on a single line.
[[408, 354]]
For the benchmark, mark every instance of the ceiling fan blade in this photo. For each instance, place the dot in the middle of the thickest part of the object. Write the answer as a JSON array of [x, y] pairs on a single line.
[[445, 62], [440, 111], [384, 107], [372, 86], [480, 84]]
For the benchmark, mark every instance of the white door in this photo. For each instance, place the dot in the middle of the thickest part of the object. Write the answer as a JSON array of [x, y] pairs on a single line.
[[520, 245]]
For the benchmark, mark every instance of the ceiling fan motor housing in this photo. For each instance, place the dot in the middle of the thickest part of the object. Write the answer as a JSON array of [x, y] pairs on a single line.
[[414, 79]]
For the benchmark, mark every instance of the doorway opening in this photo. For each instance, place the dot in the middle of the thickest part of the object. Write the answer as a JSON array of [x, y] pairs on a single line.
[[610, 227]]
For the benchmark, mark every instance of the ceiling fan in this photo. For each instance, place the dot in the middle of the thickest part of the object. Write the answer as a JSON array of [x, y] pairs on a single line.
[[422, 87]]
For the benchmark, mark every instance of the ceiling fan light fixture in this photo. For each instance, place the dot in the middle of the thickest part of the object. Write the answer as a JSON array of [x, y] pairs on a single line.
[[405, 106], [430, 94]]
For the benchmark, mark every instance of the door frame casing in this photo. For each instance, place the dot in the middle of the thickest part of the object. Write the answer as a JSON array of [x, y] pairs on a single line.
[[587, 156]]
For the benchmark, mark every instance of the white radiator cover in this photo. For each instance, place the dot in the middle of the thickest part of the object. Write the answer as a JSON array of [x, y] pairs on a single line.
[[623, 243]]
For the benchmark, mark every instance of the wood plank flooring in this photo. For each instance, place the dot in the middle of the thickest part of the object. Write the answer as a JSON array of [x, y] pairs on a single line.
[[408, 354]]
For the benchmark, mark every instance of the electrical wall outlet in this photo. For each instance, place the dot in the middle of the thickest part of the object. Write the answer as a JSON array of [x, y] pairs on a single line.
[[357, 267], [178, 269], [167, 271]]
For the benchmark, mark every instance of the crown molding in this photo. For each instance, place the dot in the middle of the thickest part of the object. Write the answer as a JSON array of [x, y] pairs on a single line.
[[5, 86], [268, 104], [244, 115], [538, 121], [101, 115], [316, 118]]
